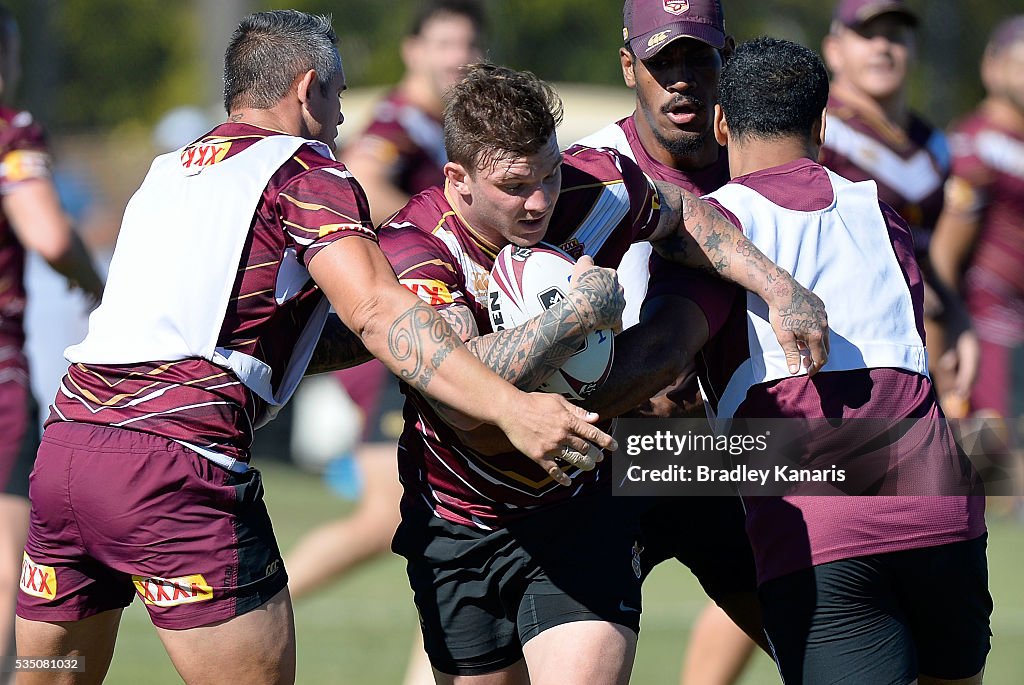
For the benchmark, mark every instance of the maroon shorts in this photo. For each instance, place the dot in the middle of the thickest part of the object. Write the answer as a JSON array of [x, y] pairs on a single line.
[[19, 437], [117, 513]]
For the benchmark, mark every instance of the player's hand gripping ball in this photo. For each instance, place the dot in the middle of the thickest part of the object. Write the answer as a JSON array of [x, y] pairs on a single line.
[[524, 282]]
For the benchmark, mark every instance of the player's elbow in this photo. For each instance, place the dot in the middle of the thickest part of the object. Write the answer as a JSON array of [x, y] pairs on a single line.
[[367, 318]]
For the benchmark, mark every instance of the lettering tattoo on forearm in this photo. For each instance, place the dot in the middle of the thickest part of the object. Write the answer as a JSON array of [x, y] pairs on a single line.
[[418, 333], [338, 348]]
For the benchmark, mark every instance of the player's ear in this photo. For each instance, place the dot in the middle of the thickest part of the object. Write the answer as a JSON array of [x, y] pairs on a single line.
[[304, 83], [729, 48], [721, 126], [456, 176], [627, 60], [818, 129]]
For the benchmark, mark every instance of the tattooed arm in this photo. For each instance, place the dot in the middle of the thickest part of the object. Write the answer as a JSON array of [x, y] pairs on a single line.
[[692, 233], [527, 354], [417, 345], [338, 348]]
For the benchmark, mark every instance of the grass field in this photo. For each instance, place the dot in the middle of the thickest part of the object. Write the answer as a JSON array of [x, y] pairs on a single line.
[[359, 630]]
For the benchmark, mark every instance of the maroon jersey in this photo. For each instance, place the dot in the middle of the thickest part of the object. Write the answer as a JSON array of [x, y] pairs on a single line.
[[910, 167], [605, 203], [23, 156], [307, 204], [793, 532], [988, 183], [408, 140]]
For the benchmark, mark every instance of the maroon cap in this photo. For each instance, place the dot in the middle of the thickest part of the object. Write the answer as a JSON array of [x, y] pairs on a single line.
[[854, 13], [650, 25]]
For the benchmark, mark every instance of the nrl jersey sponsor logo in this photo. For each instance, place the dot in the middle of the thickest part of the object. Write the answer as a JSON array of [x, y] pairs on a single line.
[[196, 157], [432, 292], [676, 7], [37, 580], [169, 592], [574, 247]]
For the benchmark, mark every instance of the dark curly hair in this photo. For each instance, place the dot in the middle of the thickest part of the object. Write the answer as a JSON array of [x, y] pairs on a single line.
[[772, 88], [496, 114]]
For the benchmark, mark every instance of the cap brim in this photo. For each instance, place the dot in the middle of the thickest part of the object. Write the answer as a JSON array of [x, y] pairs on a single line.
[[872, 13], [648, 44]]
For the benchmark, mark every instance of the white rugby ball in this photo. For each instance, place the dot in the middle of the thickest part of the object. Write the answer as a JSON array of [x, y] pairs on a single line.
[[524, 282]]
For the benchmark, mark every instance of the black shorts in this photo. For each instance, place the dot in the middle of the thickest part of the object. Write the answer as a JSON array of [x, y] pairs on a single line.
[[482, 594], [708, 535], [884, 618]]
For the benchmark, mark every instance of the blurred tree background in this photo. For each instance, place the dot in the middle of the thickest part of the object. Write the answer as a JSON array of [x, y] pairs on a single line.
[[103, 64]]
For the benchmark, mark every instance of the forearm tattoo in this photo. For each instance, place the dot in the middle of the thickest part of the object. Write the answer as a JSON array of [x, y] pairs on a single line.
[[699, 237], [528, 354], [338, 348], [460, 318], [420, 341], [804, 312], [705, 240]]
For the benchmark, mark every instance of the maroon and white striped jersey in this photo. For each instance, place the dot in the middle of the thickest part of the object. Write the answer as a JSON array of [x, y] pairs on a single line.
[[407, 140], [909, 166], [988, 184], [605, 204], [309, 202]]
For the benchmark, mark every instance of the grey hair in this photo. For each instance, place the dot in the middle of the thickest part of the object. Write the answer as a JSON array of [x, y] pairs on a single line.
[[269, 50]]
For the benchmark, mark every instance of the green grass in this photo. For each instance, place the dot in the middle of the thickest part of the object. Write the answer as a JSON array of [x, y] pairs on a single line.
[[359, 630]]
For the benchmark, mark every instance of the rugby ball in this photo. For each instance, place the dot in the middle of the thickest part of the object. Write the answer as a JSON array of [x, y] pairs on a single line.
[[524, 282]]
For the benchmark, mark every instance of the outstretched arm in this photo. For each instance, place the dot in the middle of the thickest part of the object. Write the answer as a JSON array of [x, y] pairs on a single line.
[[650, 355], [419, 347], [692, 233]]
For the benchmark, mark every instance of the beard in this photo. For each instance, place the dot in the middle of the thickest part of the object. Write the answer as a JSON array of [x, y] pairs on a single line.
[[677, 143], [683, 144]]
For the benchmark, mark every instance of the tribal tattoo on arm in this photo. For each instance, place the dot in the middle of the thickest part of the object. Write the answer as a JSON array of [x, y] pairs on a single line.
[[526, 355], [338, 348]]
